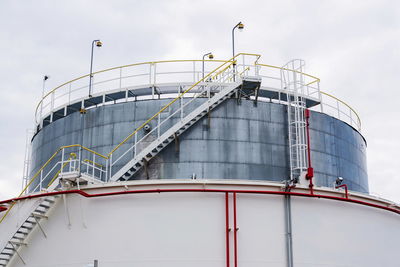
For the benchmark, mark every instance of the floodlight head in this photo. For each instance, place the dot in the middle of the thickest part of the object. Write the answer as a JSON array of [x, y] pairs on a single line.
[[99, 43], [210, 56], [240, 26], [339, 181], [147, 128]]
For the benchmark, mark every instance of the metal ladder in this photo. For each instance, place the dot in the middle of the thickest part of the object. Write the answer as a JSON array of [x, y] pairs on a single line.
[[293, 83], [20, 236], [181, 126]]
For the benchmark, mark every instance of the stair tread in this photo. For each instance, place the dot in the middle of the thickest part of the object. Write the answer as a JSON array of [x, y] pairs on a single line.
[[154, 148]]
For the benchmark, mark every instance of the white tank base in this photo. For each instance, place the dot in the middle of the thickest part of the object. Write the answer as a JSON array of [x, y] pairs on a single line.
[[197, 229]]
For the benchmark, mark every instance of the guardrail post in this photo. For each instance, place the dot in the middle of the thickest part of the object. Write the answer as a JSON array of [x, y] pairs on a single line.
[[79, 160], [52, 102], [158, 125], [69, 93], [150, 73], [134, 153], [351, 118], [155, 73], [106, 171], [110, 167], [194, 71], [181, 100], [94, 164], [41, 180], [120, 78], [62, 160]]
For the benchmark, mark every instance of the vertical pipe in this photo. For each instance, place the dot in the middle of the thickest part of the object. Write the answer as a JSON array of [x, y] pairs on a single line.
[[91, 69], [227, 228], [288, 223], [310, 170], [235, 229]]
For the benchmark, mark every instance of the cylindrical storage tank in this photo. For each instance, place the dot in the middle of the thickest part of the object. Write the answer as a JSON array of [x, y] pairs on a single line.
[[237, 141], [177, 223], [244, 164]]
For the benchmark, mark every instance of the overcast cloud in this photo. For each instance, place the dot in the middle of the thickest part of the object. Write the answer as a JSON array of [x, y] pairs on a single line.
[[353, 46]]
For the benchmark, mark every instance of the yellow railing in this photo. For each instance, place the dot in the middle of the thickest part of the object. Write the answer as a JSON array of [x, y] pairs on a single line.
[[72, 155], [93, 163], [116, 68], [224, 67], [226, 64], [357, 122], [315, 79]]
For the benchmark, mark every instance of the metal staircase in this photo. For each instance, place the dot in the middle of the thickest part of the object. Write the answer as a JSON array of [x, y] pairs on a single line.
[[20, 236], [181, 113], [294, 85], [181, 126], [76, 173]]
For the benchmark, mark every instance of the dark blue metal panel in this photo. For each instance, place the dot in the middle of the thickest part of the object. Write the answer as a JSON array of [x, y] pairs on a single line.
[[244, 142]]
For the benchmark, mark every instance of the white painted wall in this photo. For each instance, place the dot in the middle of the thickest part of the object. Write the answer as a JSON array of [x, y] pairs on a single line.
[[188, 229]]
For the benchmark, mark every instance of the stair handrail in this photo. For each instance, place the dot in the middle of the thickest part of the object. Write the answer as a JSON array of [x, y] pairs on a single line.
[[115, 68], [227, 64], [211, 74], [36, 175]]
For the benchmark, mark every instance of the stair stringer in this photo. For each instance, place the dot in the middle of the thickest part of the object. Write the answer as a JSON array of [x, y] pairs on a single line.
[[159, 144], [20, 238]]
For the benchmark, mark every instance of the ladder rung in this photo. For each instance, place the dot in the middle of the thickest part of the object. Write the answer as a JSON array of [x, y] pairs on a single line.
[[27, 227], [17, 243], [38, 215], [40, 211], [7, 254], [17, 237]]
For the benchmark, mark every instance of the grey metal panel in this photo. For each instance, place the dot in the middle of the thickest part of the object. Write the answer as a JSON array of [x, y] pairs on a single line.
[[244, 142]]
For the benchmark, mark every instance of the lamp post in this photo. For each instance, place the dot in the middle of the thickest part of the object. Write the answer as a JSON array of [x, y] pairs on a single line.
[[98, 44], [45, 78], [210, 56], [239, 26]]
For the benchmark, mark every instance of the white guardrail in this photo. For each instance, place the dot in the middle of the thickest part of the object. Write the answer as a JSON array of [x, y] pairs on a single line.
[[161, 73]]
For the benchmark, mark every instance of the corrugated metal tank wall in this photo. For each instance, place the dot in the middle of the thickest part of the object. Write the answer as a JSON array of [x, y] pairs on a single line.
[[244, 141]]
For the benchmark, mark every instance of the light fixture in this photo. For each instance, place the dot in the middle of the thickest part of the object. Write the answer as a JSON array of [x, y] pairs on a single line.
[[210, 56], [339, 181], [98, 43], [239, 26]]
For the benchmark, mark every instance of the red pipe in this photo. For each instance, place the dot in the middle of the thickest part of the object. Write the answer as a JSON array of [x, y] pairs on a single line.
[[83, 193], [310, 170], [227, 227], [346, 191], [236, 229], [3, 208]]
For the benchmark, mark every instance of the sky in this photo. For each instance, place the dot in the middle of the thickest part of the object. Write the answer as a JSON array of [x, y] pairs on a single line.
[[352, 46]]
